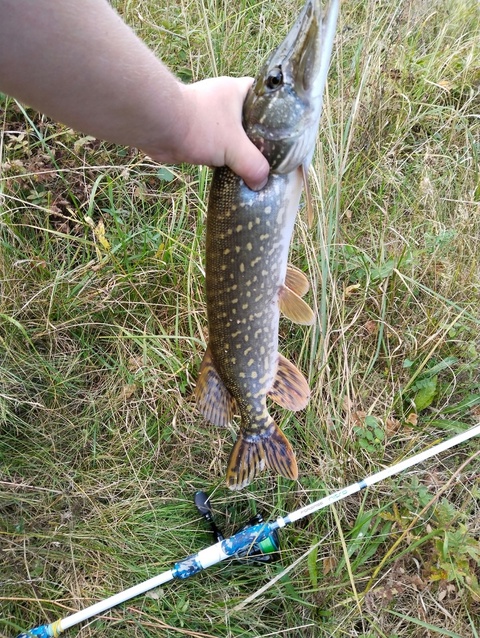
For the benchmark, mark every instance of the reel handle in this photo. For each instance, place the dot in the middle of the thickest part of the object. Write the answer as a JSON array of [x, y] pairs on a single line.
[[203, 506]]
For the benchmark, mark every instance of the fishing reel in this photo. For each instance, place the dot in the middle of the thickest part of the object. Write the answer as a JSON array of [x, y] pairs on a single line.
[[265, 551]]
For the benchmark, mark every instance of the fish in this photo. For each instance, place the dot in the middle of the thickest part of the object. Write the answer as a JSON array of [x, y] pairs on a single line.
[[247, 277]]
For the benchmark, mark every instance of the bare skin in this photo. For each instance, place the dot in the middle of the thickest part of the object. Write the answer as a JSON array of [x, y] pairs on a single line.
[[81, 65]]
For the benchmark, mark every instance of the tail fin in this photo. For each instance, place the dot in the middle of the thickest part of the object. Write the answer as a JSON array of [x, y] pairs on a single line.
[[251, 454]]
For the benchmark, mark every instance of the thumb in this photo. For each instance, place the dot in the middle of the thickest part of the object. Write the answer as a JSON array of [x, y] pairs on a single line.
[[248, 162], [242, 156]]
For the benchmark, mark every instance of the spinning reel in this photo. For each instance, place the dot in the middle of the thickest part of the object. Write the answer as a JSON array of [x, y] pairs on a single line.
[[264, 551]]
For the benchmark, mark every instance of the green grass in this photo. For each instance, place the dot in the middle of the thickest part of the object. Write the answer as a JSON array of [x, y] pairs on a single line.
[[103, 326]]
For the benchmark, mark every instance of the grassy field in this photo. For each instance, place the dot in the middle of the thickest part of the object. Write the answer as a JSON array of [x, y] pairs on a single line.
[[103, 327]]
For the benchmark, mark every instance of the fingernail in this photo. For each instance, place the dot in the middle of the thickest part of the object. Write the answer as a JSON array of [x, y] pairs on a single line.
[[260, 186]]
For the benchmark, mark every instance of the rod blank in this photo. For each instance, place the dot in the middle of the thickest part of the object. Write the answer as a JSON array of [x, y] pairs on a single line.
[[241, 541]]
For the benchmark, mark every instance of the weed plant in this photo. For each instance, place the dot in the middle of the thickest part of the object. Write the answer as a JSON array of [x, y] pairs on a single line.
[[103, 327]]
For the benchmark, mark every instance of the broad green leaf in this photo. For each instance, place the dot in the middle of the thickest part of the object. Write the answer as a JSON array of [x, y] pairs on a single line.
[[469, 402], [165, 174], [371, 421], [426, 394], [312, 564]]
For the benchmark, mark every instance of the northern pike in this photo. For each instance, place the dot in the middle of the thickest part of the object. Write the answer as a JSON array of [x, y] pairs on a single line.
[[248, 281]]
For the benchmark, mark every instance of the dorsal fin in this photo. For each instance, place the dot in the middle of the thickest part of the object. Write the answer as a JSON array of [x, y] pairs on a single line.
[[290, 388], [293, 307], [214, 401], [296, 281]]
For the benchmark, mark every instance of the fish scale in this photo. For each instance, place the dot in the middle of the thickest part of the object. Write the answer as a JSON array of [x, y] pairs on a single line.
[[248, 280]]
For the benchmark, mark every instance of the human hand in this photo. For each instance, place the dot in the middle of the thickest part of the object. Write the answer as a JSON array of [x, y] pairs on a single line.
[[215, 135]]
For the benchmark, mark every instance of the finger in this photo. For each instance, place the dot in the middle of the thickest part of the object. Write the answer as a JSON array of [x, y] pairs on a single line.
[[249, 164], [244, 158]]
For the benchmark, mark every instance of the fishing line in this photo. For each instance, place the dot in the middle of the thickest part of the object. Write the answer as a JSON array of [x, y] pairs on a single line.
[[255, 540]]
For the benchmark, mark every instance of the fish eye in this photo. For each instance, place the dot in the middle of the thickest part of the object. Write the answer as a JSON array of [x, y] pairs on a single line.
[[275, 78]]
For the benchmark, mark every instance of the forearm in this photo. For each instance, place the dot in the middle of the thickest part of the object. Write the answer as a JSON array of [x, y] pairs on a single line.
[[97, 77], [79, 63]]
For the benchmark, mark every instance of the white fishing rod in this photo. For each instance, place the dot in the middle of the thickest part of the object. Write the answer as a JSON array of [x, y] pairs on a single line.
[[254, 540]]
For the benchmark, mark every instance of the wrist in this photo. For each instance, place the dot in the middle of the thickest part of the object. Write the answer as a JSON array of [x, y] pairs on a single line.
[[193, 136], [166, 125]]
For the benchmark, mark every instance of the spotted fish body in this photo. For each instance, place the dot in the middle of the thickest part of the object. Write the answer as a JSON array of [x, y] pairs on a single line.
[[248, 281]]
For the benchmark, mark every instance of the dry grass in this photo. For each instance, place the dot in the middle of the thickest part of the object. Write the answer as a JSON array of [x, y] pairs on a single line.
[[102, 329]]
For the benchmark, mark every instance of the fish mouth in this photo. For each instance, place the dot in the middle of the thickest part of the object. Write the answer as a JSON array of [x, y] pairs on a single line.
[[300, 54], [304, 55]]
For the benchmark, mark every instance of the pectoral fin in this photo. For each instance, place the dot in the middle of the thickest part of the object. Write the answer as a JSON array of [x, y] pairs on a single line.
[[294, 308], [296, 281], [290, 388], [214, 401]]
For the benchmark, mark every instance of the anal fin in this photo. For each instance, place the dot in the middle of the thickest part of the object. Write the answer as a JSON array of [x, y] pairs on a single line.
[[290, 388], [214, 401], [252, 454], [294, 308]]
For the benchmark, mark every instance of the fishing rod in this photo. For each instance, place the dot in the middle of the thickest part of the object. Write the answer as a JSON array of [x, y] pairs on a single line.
[[256, 540]]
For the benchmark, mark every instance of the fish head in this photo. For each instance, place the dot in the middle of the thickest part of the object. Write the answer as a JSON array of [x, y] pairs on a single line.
[[282, 109]]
